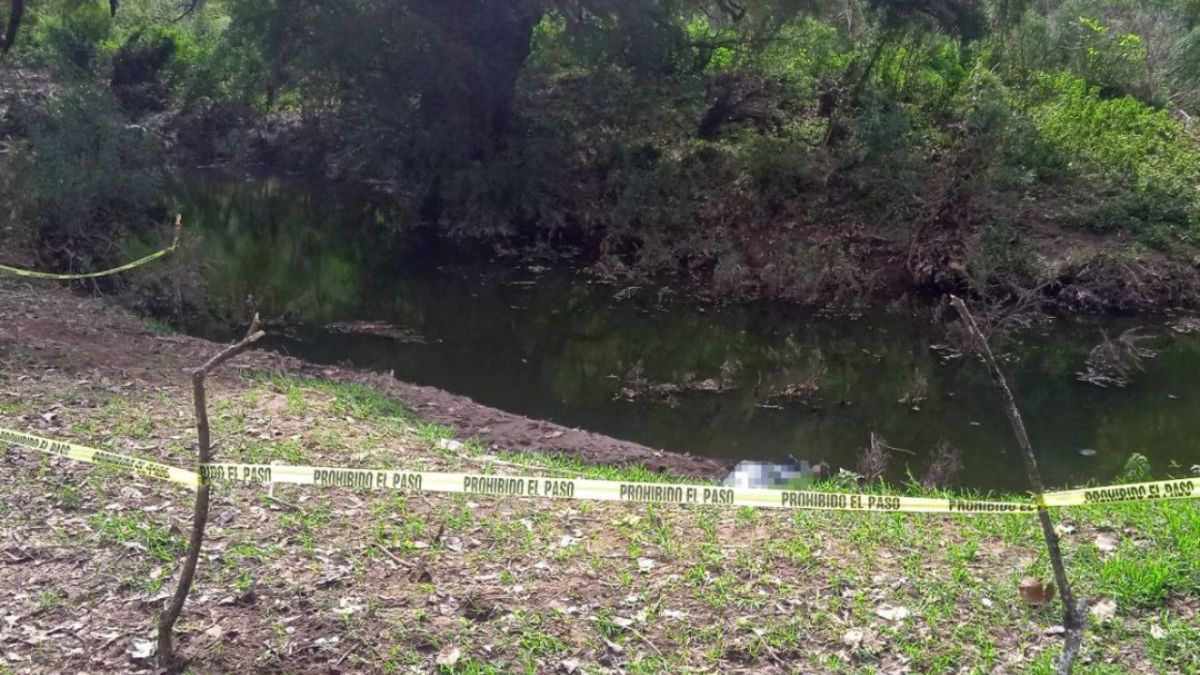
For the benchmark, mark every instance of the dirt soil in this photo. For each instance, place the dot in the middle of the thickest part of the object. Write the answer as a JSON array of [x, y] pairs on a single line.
[[334, 580]]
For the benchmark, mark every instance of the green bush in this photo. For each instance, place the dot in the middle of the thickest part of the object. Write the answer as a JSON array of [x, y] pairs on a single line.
[[882, 157], [1137, 469], [1114, 60], [73, 43], [1125, 143], [1001, 256], [802, 55], [86, 172], [138, 71], [777, 168], [1119, 137], [1005, 148]]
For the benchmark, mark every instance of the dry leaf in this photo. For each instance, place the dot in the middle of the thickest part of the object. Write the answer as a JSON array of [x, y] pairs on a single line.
[[141, 649], [892, 613], [1035, 592], [853, 637], [448, 657], [623, 622], [1157, 632], [1104, 610], [613, 647]]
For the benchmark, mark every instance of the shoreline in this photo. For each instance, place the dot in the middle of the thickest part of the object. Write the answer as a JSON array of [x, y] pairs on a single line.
[[61, 321]]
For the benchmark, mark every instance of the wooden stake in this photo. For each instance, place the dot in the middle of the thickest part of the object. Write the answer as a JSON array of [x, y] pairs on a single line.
[[166, 622]]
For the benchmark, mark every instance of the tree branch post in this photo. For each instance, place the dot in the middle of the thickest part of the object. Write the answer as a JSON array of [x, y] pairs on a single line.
[[1072, 619], [166, 621]]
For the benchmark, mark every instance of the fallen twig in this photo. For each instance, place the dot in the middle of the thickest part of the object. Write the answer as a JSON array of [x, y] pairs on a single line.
[[393, 556]]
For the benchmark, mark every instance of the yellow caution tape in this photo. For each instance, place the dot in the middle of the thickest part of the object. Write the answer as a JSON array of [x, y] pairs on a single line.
[[1186, 488], [103, 273], [113, 460], [597, 490]]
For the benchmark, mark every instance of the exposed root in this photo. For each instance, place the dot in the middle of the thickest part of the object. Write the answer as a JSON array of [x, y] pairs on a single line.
[[944, 466], [1112, 363], [874, 459]]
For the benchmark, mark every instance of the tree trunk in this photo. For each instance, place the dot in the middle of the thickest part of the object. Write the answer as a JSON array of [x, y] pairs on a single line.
[[486, 43]]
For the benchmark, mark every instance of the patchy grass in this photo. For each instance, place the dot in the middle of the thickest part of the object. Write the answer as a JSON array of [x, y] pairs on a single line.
[[306, 580], [157, 326]]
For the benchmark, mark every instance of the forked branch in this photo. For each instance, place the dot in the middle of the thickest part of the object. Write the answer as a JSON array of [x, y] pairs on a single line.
[[166, 622]]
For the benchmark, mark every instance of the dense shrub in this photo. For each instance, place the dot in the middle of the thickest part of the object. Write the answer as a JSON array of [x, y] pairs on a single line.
[[85, 173], [138, 71], [1123, 142], [73, 43]]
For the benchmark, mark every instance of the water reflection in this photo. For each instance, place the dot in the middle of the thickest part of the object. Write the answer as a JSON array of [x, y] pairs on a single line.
[[758, 382]]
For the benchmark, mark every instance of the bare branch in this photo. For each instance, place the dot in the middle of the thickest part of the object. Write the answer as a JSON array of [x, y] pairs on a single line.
[[166, 622], [1071, 611]]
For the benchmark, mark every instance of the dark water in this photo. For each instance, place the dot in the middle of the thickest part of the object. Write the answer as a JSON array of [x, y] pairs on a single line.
[[549, 345]]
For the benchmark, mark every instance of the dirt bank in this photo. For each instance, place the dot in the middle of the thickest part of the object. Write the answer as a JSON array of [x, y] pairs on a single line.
[[93, 334]]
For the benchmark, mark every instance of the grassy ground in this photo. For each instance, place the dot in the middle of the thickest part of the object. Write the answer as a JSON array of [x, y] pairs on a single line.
[[319, 580]]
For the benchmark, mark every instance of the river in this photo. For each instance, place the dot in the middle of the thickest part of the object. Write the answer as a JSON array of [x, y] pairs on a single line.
[[641, 364]]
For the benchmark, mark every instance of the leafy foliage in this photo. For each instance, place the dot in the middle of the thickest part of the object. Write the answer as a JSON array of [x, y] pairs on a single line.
[[690, 135], [66, 185]]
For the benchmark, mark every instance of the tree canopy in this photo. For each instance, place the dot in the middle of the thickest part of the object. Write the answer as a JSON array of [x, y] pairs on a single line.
[[678, 134]]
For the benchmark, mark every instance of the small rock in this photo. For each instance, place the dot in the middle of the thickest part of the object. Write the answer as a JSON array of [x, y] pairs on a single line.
[[449, 444], [645, 564], [1055, 630], [348, 606]]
